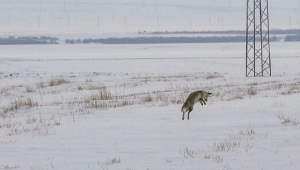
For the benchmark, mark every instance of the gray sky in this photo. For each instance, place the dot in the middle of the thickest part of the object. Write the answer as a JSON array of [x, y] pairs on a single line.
[[125, 16]]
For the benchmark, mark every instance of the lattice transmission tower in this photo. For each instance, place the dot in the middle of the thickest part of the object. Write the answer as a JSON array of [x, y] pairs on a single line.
[[258, 54]]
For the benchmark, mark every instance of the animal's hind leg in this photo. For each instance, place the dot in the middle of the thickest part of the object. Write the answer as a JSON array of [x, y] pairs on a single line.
[[191, 109], [183, 115]]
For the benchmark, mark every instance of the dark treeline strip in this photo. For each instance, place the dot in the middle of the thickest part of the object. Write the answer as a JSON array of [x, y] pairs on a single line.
[[28, 40], [137, 40], [290, 38], [273, 31], [162, 40]]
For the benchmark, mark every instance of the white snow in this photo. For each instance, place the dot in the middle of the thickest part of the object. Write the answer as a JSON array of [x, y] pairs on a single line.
[[64, 127]]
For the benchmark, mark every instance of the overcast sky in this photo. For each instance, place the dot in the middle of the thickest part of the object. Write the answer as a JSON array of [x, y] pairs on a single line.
[[125, 16]]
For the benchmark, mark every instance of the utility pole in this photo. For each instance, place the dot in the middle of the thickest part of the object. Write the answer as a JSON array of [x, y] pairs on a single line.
[[38, 21], [68, 18], [125, 22], [64, 5], [9, 20], [258, 53]]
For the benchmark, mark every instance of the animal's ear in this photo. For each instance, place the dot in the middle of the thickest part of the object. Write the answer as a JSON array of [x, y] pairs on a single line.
[[209, 93]]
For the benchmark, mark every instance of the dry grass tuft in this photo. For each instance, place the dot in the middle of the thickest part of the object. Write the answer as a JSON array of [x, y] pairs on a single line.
[[226, 145], [4, 92], [215, 158], [102, 95], [292, 88], [17, 104], [238, 141], [96, 87], [41, 84], [109, 162], [214, 75], [252, 91], [10, 167], [57, 82], [108, 104], [235, 96], [288, 121], [29, 89], [189, 153], [113, 161], [147, 98]]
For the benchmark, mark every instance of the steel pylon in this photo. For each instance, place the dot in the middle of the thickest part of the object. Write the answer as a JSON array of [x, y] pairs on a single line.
[[258, 53]]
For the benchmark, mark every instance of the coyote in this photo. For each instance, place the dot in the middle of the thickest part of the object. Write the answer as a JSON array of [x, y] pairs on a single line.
[[194, 97]]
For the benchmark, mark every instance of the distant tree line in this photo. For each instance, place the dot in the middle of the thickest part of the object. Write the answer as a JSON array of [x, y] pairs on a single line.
[[272, 31], [162, 40], [290, 38], [12, 40]]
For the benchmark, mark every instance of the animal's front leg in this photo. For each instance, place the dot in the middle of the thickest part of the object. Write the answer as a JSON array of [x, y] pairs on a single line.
[[202, 102]]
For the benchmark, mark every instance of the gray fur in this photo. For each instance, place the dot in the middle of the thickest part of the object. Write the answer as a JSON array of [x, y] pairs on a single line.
[[194, 97]]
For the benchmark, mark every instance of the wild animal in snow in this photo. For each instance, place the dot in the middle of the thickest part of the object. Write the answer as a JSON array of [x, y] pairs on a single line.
[[194, 97]]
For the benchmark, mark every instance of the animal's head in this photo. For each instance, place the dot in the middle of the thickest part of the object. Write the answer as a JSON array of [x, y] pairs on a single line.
[[207, 94]]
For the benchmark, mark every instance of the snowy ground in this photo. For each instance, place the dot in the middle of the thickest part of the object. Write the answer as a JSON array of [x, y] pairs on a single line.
[[118, 107]]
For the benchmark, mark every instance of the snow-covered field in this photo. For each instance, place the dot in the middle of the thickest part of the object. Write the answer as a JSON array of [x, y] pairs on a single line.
[[118, 107]]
